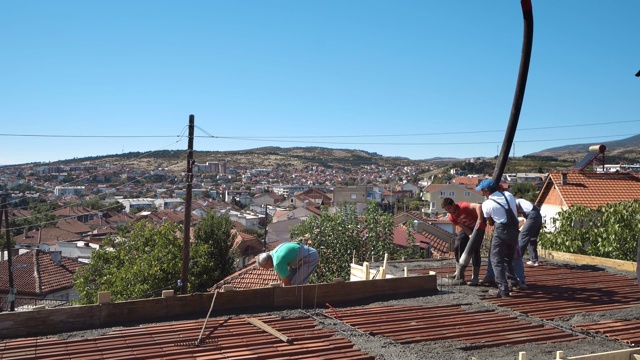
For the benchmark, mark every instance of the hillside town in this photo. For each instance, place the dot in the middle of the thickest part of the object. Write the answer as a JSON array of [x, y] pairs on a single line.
[[257, 200], [90, 204]]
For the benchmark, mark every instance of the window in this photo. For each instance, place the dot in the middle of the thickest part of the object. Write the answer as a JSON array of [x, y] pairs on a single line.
[[467, 193], [433, 205], [452, 193], [442, 193]]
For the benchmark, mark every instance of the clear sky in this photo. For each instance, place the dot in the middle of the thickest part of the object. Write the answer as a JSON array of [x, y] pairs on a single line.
[[417, 79]]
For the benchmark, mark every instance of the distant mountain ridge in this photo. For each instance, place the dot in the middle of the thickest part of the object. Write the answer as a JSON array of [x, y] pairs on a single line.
[[618, 150]]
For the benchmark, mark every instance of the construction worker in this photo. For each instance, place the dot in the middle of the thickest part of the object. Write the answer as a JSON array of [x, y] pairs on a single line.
[[500, 211], [292, 261], [468, 217], [529, 232]]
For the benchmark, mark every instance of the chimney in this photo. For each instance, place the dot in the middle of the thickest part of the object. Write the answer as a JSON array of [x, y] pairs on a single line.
[[56, 257], [564, 178]]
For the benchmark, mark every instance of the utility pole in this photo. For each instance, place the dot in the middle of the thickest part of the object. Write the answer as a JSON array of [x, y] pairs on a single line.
[[266, 225], [186, 242], [12, 291]]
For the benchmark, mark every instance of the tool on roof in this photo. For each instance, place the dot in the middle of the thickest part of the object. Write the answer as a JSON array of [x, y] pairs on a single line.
[[260, 324], [199, 341]]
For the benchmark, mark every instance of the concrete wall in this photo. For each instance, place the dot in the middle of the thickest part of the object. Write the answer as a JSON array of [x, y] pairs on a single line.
[[76, 318]]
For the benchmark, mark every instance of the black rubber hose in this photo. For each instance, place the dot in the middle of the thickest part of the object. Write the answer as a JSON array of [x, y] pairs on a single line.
[[525, 59]]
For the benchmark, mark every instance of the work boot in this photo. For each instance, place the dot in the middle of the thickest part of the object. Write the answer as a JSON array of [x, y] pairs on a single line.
[[487, 281], [498, 294], [475, 275], [458, 277]]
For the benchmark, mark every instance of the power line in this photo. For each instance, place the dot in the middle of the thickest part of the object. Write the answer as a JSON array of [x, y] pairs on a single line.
[[419, 143], [209, 135], [89, 136]]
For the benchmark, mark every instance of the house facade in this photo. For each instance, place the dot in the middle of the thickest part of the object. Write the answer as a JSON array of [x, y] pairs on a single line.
[[562, 190], [434, 193]]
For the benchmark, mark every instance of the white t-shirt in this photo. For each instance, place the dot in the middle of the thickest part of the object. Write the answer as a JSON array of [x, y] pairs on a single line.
[[525, 205], [495, 211]]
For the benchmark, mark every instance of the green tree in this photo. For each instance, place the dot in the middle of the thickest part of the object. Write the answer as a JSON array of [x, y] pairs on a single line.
[[341, 236], [524, 190], [133, 266], [408, 252], [41, 215], [211, 257], [335, 237], [378, 226], [610, 231], [92, 203]]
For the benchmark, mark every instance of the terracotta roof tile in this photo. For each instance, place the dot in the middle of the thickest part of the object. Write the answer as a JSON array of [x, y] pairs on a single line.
[[75, 211], [36, 274], [232, 338], [48, 235], [250, 277], [73, 225], [595, 189]]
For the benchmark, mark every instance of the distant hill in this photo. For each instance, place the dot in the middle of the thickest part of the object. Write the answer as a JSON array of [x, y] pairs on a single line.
[[264, 157], [624, 151]]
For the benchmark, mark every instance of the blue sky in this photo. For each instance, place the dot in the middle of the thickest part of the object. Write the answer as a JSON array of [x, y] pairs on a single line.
[[417, 79]]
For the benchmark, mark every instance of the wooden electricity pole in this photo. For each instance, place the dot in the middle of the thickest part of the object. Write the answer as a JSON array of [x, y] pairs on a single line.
[[12, 291], [186, 242]]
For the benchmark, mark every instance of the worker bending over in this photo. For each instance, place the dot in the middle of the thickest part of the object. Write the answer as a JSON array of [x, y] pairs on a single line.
[[292, 261]]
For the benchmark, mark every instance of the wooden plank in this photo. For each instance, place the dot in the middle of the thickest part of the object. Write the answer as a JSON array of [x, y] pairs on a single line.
[[588, 260], [611, 355], [261, 325]]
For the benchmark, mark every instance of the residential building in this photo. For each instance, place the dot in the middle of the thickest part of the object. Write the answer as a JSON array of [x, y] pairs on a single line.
[[166, 204], [41, 276], [135, 205], [434, 193], [562, 190], [68, 190], [214, 167], [288, 190], [241, 196], [356, 195], [246, 247]]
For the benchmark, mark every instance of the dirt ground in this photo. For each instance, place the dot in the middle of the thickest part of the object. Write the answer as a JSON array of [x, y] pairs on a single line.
[[386, 349]]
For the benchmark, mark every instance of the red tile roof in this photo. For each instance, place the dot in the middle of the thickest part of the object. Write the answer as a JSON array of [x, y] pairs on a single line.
[[48, 235], [592, 189], [476, 329], [554, 292], [75, 211], [73, 225], [36, 274], [250, 277], [439, 247], [246, 244], [230, 338]]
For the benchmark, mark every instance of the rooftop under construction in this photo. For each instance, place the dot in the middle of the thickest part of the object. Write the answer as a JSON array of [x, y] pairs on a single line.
[[568, 311]]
